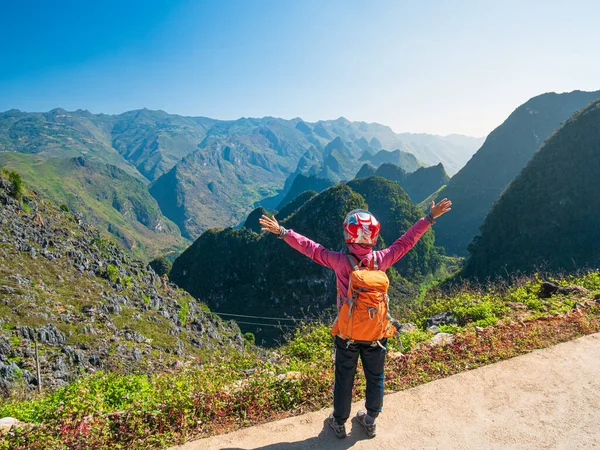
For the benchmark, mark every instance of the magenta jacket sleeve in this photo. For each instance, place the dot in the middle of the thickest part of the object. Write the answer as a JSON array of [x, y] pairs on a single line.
[[390, 256], [314, 251]]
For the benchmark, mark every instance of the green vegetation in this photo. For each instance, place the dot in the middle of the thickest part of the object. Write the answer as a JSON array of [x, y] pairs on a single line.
[[127, 282], [249, 338], [26, 207], [112, 273], [16, 185], [107, 410], [291, 207], [183, 312], [547, 218], [161, 266], [506, 151]]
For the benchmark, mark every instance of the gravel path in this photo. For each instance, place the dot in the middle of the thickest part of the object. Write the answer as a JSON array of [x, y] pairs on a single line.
[[548, 399]]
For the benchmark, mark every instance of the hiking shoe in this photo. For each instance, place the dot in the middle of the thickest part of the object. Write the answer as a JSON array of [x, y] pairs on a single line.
[[370, 428], [338, 429]]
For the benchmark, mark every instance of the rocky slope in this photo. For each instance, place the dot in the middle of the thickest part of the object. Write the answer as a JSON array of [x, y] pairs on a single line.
[[504, 154], [548, 215], [85, 301]]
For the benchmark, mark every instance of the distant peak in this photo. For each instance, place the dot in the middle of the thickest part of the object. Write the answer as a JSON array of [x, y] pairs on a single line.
[[374, 142]]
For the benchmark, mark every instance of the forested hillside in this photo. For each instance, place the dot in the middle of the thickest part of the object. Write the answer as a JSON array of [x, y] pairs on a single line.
[[505, 152], [303, 183], [548, 216]]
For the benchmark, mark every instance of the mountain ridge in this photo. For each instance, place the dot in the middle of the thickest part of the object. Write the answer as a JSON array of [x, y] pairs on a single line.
[[505, 152], [546, 217]]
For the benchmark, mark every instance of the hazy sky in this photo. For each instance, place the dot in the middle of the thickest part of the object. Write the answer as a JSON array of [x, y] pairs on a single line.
[[420, 66]]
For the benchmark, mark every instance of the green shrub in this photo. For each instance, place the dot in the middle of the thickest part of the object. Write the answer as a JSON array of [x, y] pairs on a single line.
[[410, 340], [17, 187], [64, 207], [161, 266], [146, 299], [450, 328], [127, 282], [474, 312], [183, 312], [590, 281], [309, 343], [112, 273], [26, 207], [249, 338]]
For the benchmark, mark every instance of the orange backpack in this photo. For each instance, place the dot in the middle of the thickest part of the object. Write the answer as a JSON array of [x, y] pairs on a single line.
[[364, 313]]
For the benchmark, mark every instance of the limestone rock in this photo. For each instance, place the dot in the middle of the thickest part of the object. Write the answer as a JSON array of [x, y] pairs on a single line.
[[442, 339], [442, 318]]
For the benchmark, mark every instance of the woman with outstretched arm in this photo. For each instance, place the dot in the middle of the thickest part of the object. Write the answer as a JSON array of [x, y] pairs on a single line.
[[362, 326]]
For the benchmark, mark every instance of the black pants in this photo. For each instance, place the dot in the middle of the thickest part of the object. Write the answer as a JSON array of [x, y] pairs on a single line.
[[346, 359]]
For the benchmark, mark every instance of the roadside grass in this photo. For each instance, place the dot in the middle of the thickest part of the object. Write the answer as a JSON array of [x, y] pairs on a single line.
[[198, 399]]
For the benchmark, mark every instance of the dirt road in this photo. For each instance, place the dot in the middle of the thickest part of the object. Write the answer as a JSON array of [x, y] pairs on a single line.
[[548, 399]]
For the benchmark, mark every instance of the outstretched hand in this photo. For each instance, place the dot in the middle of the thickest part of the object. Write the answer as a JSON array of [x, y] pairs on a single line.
[[269, 224], [441, 208]]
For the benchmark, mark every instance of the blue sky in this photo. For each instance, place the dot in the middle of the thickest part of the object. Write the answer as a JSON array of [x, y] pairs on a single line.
[[420, 66]]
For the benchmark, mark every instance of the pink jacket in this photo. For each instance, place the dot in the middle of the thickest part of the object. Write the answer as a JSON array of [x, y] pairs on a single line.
[[338, 261]]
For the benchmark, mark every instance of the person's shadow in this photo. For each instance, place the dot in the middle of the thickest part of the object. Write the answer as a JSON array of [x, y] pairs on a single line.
[[325, 439]]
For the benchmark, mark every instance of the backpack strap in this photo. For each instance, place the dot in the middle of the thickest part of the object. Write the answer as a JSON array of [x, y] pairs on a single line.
[[352, 262], [352, 257]]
